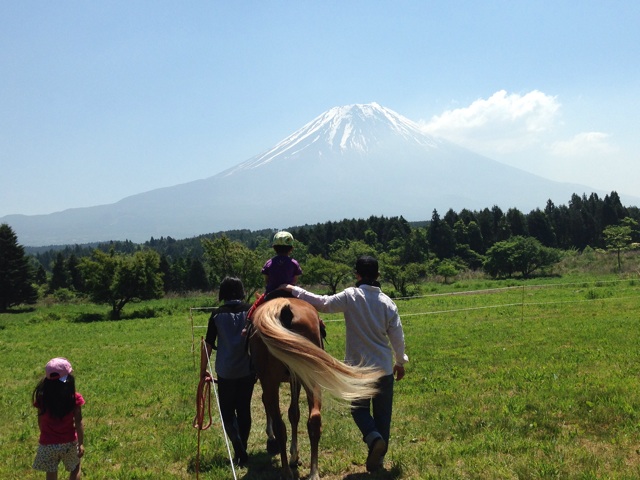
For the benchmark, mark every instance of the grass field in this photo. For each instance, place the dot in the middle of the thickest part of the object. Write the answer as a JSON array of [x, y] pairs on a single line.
[[507, 380]]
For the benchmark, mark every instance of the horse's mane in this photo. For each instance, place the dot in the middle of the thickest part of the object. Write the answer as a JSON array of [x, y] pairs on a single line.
[[308, 361]]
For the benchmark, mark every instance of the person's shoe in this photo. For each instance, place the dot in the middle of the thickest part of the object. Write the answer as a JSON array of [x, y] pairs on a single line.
[[241, 457], [376, 454]]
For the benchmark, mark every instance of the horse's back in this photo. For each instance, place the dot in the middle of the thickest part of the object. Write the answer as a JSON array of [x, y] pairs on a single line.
[[269, 318], [293, 314], [306, 321]]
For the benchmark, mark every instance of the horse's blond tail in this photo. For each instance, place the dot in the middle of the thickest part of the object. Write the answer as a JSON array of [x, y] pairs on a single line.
[[310, 363]]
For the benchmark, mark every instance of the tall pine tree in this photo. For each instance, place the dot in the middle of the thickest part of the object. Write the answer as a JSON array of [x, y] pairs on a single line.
[[15, 272]]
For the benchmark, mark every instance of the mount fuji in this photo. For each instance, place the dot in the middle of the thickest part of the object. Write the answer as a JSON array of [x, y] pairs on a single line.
[[353, 161]]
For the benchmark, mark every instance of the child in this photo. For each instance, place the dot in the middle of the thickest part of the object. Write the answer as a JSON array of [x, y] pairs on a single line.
[[233, 366], [278, 270], [281, 268], [374, 337], [60, 421]]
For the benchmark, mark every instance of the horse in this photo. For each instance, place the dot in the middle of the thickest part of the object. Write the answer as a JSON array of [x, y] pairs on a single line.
[[286, 346]]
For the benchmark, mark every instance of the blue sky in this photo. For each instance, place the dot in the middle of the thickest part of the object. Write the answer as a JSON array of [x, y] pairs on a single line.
[[101, 100]]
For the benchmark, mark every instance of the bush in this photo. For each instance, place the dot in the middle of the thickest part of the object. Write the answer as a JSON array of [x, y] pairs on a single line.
[[519, 254], [64, 295]]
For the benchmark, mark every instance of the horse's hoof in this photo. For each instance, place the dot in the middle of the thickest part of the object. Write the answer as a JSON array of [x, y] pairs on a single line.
[[272, 447], [287, 474]]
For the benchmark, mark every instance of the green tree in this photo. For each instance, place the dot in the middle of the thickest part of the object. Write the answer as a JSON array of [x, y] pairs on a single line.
[[15, 272], [447, 268], [197, 276], [559, 224], [167, 277], [229, 258], [516, 222], [59, 274], [539, 227], [412, 247], [318, 270], [41, 275], [75, 275], [116, 279], [441, 237], [178, 277], [618, 237], [400, 276], [371, 238], [518, 254], [476, 242], [348, 251]]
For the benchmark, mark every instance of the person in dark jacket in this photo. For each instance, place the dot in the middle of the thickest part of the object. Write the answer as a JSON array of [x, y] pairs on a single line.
[[235, 375]]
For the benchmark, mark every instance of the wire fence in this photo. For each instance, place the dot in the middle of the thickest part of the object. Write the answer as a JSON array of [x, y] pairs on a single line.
[[516, 296]]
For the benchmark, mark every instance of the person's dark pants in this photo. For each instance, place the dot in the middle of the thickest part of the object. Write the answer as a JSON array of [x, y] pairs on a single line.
[[375, 424], [235, 406]]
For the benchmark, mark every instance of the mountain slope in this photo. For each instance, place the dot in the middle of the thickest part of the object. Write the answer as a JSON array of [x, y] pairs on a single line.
[[350, 162]]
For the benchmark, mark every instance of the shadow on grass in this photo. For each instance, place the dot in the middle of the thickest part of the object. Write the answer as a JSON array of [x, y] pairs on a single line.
[[261, 466], [207, 464], [393, 473], [145, 312], [264, 466], [12, 311], [91, 317]]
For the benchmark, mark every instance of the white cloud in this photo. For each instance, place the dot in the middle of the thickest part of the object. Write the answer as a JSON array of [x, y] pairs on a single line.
[[584, 144], [526, 131], [502, 123]]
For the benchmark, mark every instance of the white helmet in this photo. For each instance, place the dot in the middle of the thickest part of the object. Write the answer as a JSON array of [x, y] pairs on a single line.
[[282, 238]]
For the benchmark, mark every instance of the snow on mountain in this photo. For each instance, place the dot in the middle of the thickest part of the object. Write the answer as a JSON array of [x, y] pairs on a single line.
[[355, 128], [350, 162]]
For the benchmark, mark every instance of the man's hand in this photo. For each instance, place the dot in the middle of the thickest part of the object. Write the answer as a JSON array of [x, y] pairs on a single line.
[[398, 371]]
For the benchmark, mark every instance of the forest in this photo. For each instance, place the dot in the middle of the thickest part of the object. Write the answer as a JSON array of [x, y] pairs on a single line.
[[499, 243]]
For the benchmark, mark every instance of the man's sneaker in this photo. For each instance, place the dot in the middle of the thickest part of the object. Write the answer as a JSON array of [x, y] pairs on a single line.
[[376, 454]]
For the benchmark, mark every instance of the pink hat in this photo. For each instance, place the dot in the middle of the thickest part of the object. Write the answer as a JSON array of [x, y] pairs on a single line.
[[58, 368]]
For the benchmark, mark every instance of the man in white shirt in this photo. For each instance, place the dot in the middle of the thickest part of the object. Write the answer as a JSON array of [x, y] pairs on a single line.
[[374, 337]]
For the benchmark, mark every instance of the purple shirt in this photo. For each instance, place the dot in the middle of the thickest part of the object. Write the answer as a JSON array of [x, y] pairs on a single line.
[[280, 269]]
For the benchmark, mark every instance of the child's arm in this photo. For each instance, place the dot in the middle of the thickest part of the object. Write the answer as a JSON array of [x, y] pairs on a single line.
[[79, 430]]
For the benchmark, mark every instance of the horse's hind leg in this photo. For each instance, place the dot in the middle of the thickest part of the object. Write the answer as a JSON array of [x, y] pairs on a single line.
[[271, 402], [272, 443], [314, 427], [294, 420]]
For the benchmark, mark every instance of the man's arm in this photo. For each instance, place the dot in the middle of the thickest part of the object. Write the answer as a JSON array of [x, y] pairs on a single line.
[[322, 303], [396, 338]]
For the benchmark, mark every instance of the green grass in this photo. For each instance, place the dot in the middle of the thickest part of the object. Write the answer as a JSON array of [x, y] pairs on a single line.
[[533, 382]]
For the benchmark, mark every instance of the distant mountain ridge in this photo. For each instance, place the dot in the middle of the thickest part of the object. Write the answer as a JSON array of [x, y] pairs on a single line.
[[350, 162]]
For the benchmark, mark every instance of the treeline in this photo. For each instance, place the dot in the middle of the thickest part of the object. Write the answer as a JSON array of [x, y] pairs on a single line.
[[443, 245], [577, 225], [502, 244]]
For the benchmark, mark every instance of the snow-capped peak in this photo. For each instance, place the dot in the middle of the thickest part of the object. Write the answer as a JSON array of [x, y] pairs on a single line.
[[356, 127]]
